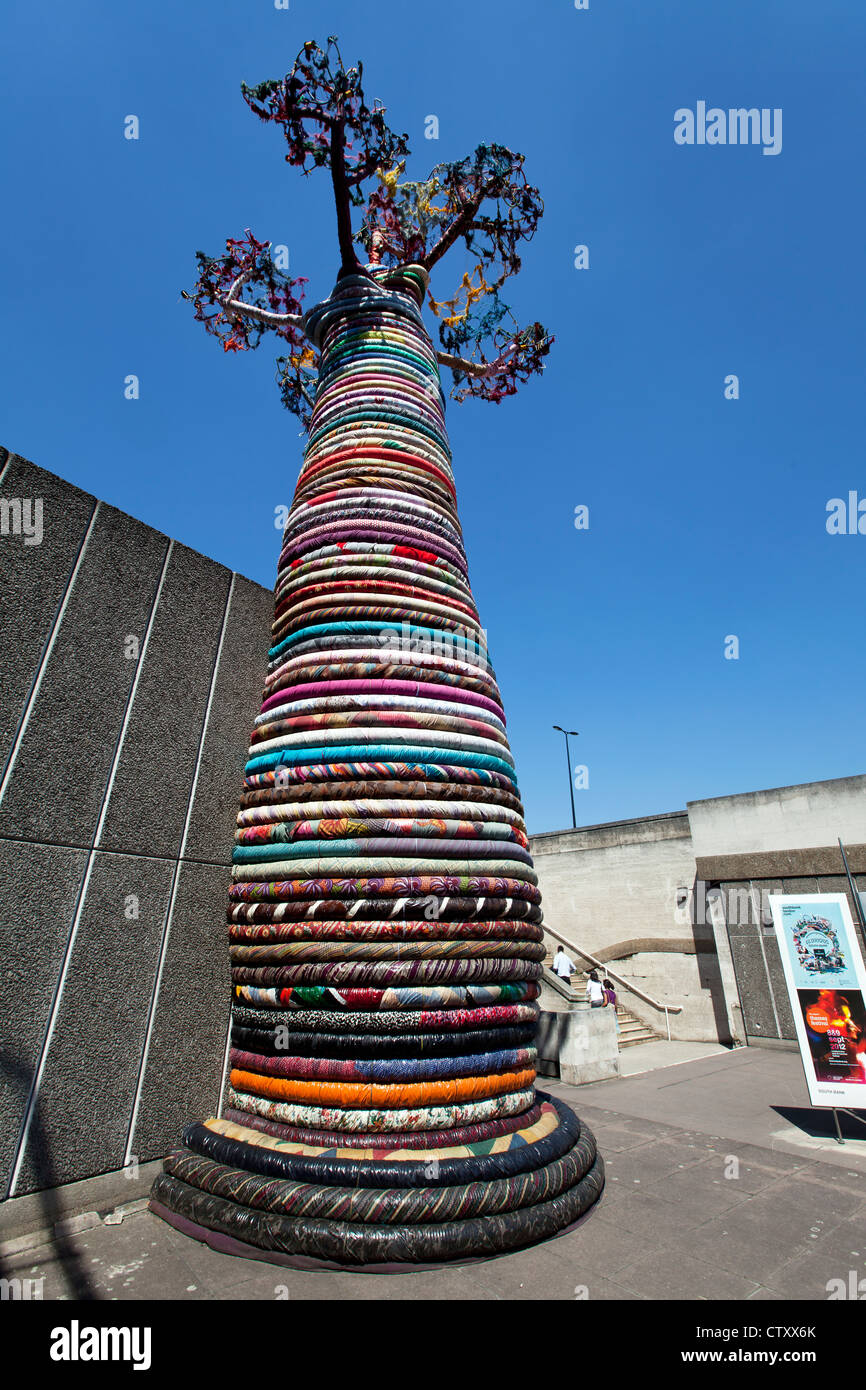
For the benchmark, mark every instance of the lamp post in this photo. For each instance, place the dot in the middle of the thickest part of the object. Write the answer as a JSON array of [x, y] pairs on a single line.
[[573, 732]]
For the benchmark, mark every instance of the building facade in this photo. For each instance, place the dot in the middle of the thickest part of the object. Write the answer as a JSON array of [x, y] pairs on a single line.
[[677, 904]]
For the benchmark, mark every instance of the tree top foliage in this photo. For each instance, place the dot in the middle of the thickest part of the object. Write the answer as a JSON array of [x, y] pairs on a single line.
[[484, 201]]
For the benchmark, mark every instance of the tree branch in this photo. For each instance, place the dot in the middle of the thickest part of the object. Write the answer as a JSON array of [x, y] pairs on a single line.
[[235, 288], [237, 306], [313, 113], [350, 263], [461, 223], [463, 364], [361, 172]]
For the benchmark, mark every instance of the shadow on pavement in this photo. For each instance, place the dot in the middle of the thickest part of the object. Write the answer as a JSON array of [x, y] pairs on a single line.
[[74, 1271], [819, 1124]]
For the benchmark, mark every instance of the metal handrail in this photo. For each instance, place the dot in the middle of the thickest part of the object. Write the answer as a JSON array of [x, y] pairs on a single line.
[[668, 1009]]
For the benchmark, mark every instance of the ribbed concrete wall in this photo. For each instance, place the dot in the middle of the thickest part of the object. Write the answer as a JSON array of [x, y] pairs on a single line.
[[119, 781]]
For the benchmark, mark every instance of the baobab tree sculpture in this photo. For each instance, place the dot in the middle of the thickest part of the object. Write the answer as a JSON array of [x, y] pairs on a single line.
[[384, 918]]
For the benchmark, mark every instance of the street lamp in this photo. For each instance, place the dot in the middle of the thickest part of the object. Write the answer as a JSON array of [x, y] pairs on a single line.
[[574, 734]]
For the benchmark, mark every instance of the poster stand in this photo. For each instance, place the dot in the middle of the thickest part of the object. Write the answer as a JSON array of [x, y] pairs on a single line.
[[843, 1111], [825, 977]]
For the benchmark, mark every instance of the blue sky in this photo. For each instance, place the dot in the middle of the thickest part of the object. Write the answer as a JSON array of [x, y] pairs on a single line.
[[707, 516]]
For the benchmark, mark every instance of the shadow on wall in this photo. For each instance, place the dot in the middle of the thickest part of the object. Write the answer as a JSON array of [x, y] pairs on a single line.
[[709, 969], [550, 1040], [22, 1076]]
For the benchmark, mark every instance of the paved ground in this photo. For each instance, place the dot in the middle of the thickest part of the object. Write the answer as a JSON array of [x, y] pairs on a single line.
[[649, 1056], [720, 1185]]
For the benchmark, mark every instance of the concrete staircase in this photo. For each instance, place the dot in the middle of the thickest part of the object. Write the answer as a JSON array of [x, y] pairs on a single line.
[[632, 1030]]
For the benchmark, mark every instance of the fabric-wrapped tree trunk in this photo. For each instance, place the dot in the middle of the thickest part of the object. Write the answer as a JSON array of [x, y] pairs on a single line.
[[385, 919]]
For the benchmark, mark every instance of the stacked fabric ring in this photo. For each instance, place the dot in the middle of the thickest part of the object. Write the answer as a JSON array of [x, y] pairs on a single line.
[[385, 919]]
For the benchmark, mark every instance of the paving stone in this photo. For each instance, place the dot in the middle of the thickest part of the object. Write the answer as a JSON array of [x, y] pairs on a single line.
[[292, 1286], [671, 1274], [42, 1262], [808, 1275], [699, 1194], [749, 1179], [425, 1286], [603, 1246], [739, 1246], [601, 1290], [554, 1271], [845, 1242], [612, 1140], [648, 1215], [652, 1163], [122, 1264], [766, 1160], [798, 1205], [437, 1285]]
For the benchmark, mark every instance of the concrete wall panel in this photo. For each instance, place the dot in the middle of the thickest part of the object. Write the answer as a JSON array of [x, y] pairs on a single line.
[[62, 764], [796, 817], [237, 698], [89, 1082], [752, 980], [150, 795], [39, 886], [183, 1072], [33, 580]]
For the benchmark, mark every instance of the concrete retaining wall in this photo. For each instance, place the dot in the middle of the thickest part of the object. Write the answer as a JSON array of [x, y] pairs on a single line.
[[790, 818], [608, 887], [119, 781], [578, 1045]]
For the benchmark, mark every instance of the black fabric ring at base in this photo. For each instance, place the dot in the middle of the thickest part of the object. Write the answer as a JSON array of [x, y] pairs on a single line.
[[230, 1245], [388, 1206], [342, 1172], [350, 1244]]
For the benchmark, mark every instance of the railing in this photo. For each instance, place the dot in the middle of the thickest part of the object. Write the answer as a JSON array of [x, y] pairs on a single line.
[[667, 1009]]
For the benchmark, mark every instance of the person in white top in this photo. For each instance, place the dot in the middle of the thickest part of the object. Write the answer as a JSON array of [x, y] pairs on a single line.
[[594, 991], [563, 965]]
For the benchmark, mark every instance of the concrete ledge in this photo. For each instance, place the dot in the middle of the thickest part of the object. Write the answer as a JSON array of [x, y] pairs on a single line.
[[40, 1217], [780, 1044], [553, 989], [784, 863], [666, 945], [578, 1045], [670, 825]]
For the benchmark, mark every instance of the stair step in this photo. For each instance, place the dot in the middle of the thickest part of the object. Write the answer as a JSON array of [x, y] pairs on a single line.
[[632, 1030]]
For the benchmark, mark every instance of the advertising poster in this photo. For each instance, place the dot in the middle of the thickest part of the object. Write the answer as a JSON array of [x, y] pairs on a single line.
[[826, 982]]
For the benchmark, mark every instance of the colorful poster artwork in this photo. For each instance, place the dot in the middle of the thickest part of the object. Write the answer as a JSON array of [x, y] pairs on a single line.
[[826, 981], [819, 945], [836, 1031]]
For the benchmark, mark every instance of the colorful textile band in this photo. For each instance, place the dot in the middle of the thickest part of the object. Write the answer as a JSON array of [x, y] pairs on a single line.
[[385, 934]]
